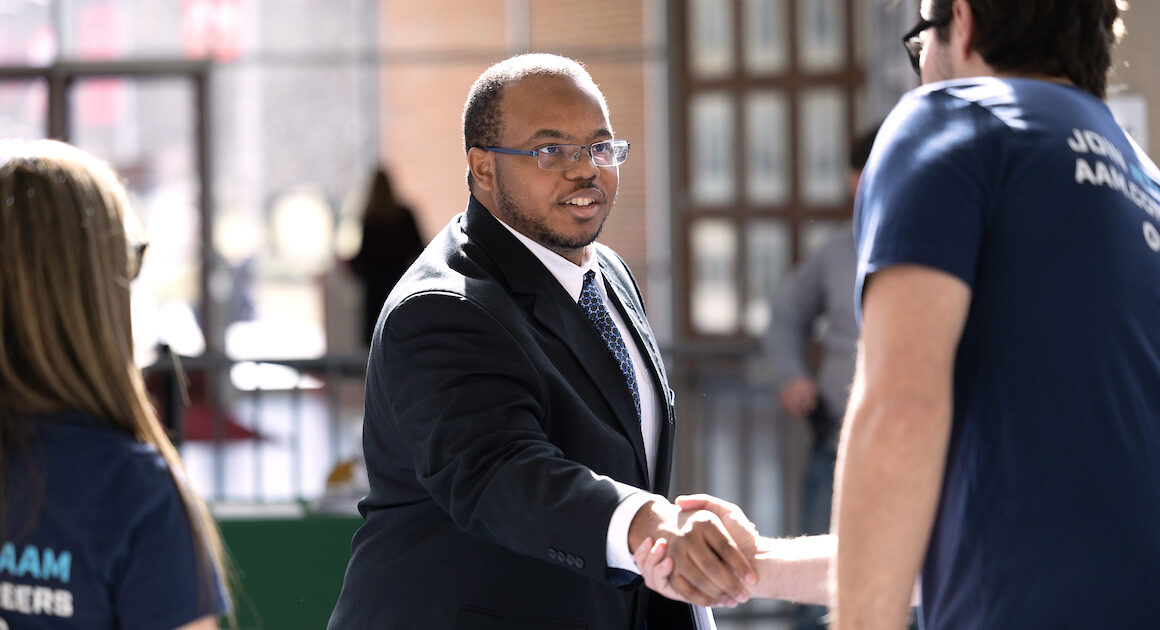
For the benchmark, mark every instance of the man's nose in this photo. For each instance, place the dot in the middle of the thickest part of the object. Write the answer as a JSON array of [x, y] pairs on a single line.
[[584, 168]]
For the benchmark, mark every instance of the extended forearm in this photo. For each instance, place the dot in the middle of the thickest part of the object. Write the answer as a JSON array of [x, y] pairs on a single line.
[[795, 569]]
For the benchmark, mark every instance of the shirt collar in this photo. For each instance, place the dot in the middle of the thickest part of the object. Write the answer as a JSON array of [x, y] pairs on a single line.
[[568, 274]]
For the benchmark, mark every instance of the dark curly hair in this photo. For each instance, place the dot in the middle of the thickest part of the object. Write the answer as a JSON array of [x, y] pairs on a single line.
[[482, 118], [1059, 38]]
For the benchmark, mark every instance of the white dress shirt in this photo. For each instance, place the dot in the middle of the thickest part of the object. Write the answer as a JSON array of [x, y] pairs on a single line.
[[571, 277]]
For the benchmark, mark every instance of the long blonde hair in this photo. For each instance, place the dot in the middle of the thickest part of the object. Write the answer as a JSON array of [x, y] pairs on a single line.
[[66, 263]]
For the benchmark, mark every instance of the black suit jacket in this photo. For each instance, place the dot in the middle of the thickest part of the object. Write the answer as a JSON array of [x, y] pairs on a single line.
[[495, 423]]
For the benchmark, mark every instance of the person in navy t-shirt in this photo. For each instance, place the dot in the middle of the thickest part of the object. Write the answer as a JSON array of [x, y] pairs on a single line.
[[98, 527], [1004, 437], [1003, 432]]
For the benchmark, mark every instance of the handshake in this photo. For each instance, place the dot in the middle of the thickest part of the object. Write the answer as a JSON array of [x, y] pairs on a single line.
[[704, 551]]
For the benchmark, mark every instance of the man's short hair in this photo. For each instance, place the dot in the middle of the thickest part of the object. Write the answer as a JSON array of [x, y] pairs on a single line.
[[1059, 38], [482, 119]]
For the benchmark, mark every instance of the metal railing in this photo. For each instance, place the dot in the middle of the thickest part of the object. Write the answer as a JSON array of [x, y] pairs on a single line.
[[235, 415], [731, 440]]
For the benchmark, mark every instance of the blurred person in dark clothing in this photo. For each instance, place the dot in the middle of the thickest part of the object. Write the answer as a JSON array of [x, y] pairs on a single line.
[[390, 243]]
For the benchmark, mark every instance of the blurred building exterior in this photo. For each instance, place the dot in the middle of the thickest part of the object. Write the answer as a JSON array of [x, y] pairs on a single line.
[[246, 127]]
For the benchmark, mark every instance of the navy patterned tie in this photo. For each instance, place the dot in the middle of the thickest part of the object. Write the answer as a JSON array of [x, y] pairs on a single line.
[[593, 306]]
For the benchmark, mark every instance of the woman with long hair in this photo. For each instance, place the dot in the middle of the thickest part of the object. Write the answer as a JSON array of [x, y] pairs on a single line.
[[99, 527]]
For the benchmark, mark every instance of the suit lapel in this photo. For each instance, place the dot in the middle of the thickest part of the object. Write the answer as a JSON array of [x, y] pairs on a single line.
[[624, 296], [640, 329], [558, 313], [578, 334]]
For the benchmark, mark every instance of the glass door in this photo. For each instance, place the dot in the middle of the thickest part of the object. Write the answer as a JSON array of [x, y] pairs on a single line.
[[145, 126], [23, 107]]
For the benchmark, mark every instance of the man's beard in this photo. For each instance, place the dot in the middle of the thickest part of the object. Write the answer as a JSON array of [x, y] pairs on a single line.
[[535, 228]]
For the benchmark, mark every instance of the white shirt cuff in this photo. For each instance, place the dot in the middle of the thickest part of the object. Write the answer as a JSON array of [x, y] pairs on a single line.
[[617, 554]]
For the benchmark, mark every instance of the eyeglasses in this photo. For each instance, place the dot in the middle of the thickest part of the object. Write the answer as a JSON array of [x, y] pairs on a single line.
[[913, 43], [561, 157]]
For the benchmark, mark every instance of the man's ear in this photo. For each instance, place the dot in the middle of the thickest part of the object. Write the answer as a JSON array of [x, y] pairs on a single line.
[[482, 166], [962, 34]]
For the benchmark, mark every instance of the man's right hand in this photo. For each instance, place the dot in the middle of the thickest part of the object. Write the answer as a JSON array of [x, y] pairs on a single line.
[[799, 397], [709, 568], [743, 531], [795, 570]]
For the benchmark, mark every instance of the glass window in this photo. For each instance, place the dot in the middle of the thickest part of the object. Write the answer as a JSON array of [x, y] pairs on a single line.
[[887, 69], [768, 248], [766, 41], [330, 26], [226, 30], [714, 291], [710, 38], [145, 128], [711, 148], [26, 33], [222, 29], [23, 108], [767, 164], [100, 30], [823, 146], [292, 144], [821, 34]]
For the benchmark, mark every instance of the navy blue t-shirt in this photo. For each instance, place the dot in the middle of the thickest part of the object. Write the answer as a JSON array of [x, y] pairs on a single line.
[[1031, 194], [96, 535]]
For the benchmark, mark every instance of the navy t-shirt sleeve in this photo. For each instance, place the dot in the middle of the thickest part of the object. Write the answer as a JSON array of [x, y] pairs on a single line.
[[158, 583], [924, 198]]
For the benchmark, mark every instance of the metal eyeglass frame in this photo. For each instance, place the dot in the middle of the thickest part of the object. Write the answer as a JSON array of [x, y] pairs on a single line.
[[618, 148]]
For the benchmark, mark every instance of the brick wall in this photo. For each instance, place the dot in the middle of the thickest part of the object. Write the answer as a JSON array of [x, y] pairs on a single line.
[[434, 50]]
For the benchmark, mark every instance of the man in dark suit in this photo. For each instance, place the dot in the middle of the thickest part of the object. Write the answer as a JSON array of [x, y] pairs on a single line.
[[519, 423]]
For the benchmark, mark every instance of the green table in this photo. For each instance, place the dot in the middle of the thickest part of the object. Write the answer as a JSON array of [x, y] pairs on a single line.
[[290, 569]]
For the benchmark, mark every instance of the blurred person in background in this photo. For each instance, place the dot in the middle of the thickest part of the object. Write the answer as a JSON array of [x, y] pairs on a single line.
[[519, 422], [390, 243], [816, 306], [99, 527]]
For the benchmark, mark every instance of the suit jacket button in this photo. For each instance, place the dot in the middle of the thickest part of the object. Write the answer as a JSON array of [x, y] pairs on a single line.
[[552, 553], [579, 563]]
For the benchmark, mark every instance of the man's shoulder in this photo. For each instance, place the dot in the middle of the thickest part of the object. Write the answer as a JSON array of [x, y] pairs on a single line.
[[1012, 103], [982, 90], [931, 108], [433, 274], [468, 268], [952, 120]]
